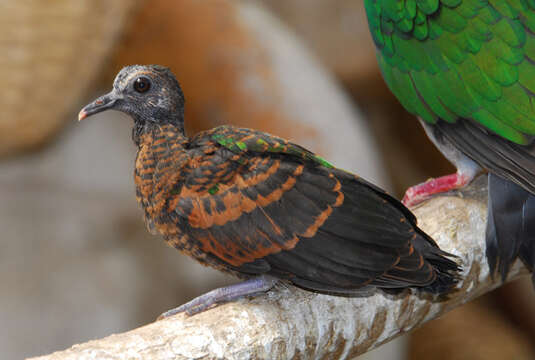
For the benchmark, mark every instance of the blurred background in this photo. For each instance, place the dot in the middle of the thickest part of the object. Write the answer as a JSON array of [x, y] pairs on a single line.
[[75, 260]]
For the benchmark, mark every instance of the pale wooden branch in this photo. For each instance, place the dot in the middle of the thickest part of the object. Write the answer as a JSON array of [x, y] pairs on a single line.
[[291, 323]]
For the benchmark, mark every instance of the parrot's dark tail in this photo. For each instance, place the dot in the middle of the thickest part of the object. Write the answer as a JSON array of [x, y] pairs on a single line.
[[510, 226]]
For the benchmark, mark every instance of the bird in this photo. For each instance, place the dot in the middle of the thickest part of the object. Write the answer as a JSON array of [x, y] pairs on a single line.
[[265, 209], [466, 68]]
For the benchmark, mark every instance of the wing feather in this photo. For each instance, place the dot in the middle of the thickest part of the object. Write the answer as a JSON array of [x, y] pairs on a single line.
[[282, 210]]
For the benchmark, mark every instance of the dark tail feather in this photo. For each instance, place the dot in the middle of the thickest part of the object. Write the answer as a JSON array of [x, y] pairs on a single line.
[[510, 226], [527, 249], [446, 269]]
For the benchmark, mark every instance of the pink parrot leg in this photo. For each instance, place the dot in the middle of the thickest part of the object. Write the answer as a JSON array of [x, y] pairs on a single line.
[[418, 193], [467, 170]]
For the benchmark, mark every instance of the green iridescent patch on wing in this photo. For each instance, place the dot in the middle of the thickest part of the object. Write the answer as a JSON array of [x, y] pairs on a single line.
[[228, 142], [323, 162], [261, 142], [245, 140], [214, 189], [450, 59]]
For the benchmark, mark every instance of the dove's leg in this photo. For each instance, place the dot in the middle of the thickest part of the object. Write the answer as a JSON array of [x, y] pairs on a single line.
[[199, 304]]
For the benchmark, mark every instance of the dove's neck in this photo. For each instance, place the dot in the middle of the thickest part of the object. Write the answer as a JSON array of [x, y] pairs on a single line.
[[149, 129], [160, 159]]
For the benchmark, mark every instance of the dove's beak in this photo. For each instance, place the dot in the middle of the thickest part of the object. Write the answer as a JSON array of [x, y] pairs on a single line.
[[102, 103]]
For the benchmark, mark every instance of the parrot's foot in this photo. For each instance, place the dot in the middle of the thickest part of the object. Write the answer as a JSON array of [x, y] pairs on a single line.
[[418, 193], [217, 296]]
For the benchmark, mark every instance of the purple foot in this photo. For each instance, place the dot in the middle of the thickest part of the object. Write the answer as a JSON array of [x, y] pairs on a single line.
[[228, 293]]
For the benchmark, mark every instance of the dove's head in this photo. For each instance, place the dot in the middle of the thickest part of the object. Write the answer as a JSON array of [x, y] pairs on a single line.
[[150, 94]]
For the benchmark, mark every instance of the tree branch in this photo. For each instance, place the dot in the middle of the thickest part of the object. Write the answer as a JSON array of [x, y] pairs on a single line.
[[293, 323]]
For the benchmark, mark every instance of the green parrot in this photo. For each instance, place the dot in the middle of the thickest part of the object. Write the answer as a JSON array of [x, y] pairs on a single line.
[[466, 68]]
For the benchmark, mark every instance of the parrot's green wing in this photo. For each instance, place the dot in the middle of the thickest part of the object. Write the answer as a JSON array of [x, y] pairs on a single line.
[[451, 59]]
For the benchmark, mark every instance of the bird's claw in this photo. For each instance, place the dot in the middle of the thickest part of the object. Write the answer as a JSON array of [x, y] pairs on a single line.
[[191, 308]]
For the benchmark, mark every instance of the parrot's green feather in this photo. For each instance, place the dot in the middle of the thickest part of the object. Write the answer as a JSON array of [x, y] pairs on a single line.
[[451, 59]]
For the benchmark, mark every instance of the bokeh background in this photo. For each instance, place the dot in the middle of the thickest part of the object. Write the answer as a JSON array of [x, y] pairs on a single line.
[[75, 260]]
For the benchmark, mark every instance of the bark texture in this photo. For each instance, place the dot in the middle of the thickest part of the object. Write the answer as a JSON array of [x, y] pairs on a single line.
[[291, 323]]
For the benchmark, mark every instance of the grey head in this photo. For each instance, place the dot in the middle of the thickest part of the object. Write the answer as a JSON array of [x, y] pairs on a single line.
[[150, 94]]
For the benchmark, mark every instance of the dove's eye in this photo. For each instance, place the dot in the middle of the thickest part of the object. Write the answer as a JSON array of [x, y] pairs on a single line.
[[142, 84]]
